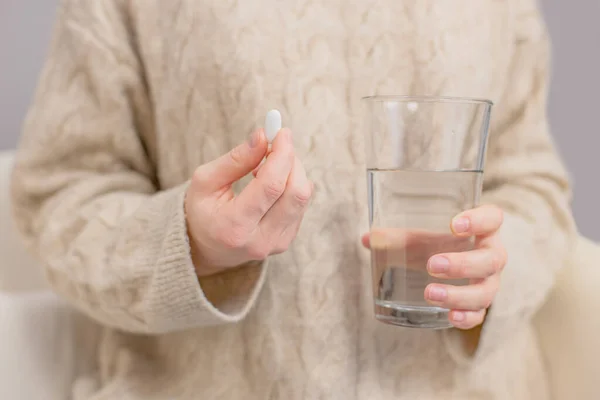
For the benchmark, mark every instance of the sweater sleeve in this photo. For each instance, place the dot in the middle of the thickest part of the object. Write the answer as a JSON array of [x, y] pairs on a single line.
[[86, 197], [525, 176]]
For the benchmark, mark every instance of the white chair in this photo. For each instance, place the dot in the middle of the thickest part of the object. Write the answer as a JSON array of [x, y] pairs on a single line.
[[45, 344], [568, 326]]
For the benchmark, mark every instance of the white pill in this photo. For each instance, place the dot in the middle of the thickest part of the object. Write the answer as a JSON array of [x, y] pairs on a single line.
[[272, 125]]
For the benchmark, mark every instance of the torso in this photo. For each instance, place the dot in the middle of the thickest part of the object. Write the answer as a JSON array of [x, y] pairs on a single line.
[[215, 68]]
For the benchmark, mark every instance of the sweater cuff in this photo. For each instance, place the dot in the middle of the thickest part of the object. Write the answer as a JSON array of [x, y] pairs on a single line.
[[523, 288], [178, 300]]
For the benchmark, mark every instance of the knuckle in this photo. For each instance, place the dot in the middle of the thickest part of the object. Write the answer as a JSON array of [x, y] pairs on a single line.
[[474, 300], [258, 251], [302, 196], [461, 265], [274, 190], [492, 217], [495, 264], [200, 176], [488, 303], [280, 248], [487, 299], [458, 264], [236, 156], [498, 261]]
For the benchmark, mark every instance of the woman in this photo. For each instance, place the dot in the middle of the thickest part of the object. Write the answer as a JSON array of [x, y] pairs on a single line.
[[123, 189]]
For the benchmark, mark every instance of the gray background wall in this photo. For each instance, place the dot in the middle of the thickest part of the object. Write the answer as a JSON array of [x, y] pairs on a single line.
[[574, 103]]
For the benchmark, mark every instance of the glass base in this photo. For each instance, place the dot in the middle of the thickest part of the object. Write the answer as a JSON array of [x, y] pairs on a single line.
[[412, 316]]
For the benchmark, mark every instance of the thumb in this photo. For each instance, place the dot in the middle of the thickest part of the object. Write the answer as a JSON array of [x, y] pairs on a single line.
[[233, 165]]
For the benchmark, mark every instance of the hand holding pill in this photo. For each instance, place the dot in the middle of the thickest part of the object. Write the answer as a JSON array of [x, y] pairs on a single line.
[[227, 230]]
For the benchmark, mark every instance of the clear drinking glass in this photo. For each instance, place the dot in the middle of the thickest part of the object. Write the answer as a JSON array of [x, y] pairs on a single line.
[[425, 158]]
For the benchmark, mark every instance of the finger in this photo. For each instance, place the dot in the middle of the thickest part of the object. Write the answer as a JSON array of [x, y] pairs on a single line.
[[270, 182], [463, 319], [233, 165], [287, 238], [491, 241], [290, 207], [255, 170], [475, 264], [366, 240], [404, 238], [483, 220], [411, 248], [470, 297]]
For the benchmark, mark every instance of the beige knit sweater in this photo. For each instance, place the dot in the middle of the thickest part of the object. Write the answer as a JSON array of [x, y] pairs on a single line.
[[136, 94]]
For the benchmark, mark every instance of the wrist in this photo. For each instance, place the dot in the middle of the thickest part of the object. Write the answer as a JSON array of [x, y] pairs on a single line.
[[202, 267]]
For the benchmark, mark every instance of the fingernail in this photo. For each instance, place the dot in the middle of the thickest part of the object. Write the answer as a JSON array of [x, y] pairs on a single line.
[[438, 265], [254, 139], [437, 294], [458, 316], [461, 225]]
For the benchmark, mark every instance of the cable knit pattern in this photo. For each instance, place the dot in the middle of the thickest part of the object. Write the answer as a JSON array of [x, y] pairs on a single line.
[[136, 94]]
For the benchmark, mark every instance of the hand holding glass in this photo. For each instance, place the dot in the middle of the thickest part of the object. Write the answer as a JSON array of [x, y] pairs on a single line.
[[425, 159]]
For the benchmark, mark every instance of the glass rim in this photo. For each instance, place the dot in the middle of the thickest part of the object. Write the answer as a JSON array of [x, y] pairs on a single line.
[[427, 99]]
